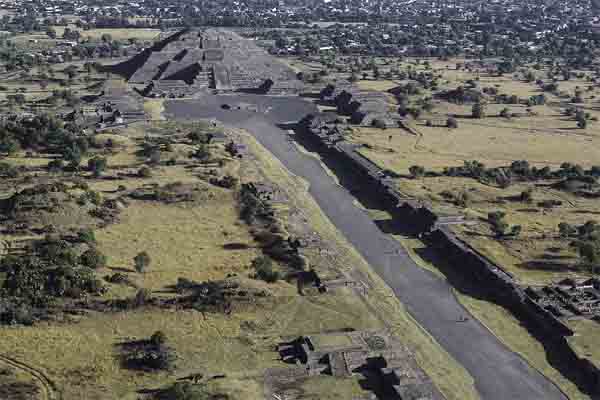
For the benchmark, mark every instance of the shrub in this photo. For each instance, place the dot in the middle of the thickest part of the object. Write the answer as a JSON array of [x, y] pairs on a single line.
[[263, 266], [416, 171], [498, 225], [55, 165], [549, 203], [158, 339], [202, 153], [379, 123], [566, 230], [86, 236], [526, 196], [515, 230], [150, 358], [581, 122], [97, 165], [141, 261], [478, 110], [93, 258]]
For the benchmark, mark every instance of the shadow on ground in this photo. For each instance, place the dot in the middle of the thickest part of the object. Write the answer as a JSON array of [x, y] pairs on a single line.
[[555, 354]]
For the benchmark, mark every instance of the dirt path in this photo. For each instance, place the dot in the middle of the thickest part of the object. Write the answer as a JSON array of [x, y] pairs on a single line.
[[47, 388]]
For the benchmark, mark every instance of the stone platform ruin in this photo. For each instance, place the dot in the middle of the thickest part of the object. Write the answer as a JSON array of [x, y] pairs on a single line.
[[385, 365], [569, 298]]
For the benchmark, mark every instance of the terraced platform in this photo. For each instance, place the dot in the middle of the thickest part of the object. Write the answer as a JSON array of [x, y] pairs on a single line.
[[207, 59]]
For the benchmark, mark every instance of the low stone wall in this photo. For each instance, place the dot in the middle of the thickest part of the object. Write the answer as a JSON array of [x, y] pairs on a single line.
[[495, 281]]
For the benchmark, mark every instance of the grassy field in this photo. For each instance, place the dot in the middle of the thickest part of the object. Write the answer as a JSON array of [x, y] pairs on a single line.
[[541, 135], [122, 34], [81, 356], [154, 108], [492, 141], [585, 340], [183, 241], [538, 255], [379, 85]]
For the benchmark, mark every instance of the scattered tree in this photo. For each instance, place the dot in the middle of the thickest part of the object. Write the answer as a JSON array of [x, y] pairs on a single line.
[[97, 165], [416, 171], [141, 261], [478, 110]]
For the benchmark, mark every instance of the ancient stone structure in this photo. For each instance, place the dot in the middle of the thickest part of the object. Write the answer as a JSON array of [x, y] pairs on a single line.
[[375, 355], [569, 298], [191, 61]]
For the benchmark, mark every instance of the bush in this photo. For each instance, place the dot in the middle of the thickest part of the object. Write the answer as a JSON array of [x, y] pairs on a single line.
[[566, 230], [379, 123], [97, 165], [264, 269], [55, 166], [498, 225], [549, 203], [526, 196], [86, 236], [150, 358], [515, 230], [93, 258], [478, 110], [227, 182], [158, 339], [141, 261], [202, 153], [416, 171], [582, 122]]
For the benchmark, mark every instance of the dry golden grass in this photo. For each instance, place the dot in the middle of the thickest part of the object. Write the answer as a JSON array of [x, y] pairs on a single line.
[[83, 360], [122, 34], [494, 142], [585, 340], [118, 140], [329, 388], [82, 357], [183, 241], [543, 137], [539, 238], [380, 85], [154, 108]]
